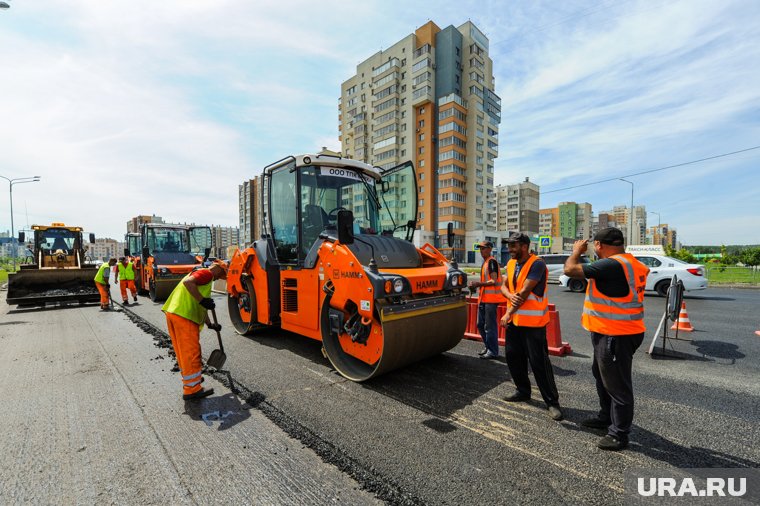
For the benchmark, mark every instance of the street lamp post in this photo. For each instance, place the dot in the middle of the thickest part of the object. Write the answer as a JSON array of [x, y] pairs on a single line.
[[630, 213], [659, 226], [11, 182]]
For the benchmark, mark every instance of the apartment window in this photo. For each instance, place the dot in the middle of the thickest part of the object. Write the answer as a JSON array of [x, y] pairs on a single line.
[[448, 155], [422, 110], [422, 189], [421, 78], [421, 124], [421, 65], [422, 137], [448, 127], [403, 152], [422, 150], [421, 163]]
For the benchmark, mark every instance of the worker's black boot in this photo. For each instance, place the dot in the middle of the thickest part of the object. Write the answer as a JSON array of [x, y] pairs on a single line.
[[200, 394]]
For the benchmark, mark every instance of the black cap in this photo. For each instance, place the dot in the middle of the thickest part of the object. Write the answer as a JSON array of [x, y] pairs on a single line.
[[518, 237], [611, 236], [484, 245]]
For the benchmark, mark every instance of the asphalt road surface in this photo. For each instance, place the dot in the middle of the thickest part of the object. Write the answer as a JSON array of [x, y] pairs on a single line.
[[436, 432]]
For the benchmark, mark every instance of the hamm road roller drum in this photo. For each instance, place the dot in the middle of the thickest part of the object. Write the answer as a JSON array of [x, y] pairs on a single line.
[[407, 333]]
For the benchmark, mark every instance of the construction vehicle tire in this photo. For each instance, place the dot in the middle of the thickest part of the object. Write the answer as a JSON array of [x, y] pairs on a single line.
[[242, 309]]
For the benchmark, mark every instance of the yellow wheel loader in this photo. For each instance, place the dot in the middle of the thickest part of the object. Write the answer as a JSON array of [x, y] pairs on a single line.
[[58, 272]]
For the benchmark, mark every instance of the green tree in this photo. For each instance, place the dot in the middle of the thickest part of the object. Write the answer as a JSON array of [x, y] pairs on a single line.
[[681, 254], [750, 256]]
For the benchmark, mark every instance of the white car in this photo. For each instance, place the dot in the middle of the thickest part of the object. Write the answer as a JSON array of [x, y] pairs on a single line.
[[661, 271]]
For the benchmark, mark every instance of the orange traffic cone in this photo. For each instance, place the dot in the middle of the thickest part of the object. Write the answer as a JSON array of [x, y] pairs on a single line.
[[683, 324]]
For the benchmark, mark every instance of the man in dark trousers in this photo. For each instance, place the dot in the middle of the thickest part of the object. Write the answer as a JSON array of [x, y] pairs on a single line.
[[489, 298], [527, 315], [614, 314]]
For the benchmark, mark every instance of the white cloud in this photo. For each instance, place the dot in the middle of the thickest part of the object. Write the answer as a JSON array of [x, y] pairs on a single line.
[[166, 107]]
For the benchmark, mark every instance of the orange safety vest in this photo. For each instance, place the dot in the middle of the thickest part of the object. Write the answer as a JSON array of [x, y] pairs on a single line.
[[492, 293], [617, 316], [534, 312]]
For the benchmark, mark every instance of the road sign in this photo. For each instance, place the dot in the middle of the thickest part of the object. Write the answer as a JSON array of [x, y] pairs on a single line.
[[545, 241], [475, 246]]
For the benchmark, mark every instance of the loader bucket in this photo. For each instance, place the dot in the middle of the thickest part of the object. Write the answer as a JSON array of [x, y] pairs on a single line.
[[408, 334], [32, 287]]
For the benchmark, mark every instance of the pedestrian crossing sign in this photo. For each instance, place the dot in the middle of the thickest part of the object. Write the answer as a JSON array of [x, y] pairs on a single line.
[[545, 241]]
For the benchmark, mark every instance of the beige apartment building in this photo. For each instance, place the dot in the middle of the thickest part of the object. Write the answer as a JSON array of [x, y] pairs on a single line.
[[517, 208], [548, 222], [249, 211], [639, 225], [105, 248], [430, 98]]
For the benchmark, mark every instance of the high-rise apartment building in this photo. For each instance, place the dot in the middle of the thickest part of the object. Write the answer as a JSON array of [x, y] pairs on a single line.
[[105, 248], [548, 222], [664, 235], [133, 225], [430, 98], [222, 238], [602, 220], [575, 220], [517, 207], [639, 225], [249, 204]]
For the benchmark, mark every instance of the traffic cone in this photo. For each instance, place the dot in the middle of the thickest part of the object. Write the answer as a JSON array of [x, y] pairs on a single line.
[[554, 335], [683, 324]]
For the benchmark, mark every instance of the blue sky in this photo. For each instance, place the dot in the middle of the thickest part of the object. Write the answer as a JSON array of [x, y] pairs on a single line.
[[165, 107]]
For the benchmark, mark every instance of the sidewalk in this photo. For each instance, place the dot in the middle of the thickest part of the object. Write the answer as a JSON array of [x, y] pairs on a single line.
[[95, 416]]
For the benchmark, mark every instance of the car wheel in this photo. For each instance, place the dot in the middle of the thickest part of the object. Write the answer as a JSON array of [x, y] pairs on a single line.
[[577, 285], [662, 288]]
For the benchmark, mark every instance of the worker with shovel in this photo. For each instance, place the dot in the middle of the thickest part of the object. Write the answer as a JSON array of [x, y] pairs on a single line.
[[101, 283], [186, 311]]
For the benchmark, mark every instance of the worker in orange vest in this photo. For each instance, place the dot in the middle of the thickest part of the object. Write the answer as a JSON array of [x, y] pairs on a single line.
[[489, 299], [126, 270], [614, 314], [186, 312], [526, 319]]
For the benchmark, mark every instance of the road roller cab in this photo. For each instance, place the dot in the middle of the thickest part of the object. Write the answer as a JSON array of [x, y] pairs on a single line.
[[163, 254], [336, 263]]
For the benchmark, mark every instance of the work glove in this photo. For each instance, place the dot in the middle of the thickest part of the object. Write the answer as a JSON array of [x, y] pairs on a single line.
[[207, 303], [214, 326]]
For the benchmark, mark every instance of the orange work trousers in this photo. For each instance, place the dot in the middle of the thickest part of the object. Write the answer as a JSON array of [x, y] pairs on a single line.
[[103, 289], [186, 341], [127, 283]]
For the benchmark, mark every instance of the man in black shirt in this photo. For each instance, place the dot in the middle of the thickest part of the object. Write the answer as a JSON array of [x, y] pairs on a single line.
[[527, 315], [613, 312]]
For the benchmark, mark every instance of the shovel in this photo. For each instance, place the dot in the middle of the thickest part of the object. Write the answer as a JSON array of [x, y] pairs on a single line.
[[217, 357]]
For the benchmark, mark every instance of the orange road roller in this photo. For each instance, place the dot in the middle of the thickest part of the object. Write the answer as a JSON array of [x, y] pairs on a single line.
[[336, 262]]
